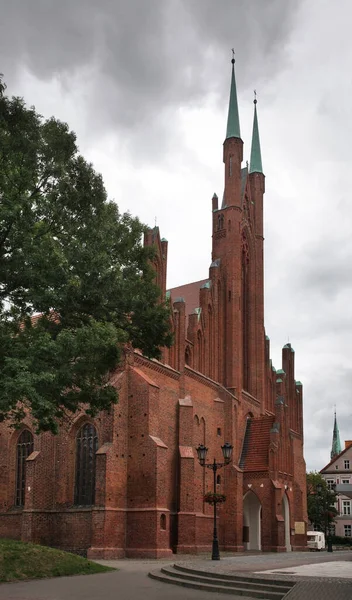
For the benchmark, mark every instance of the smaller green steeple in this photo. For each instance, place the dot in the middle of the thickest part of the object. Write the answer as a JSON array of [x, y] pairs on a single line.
[[336, 444], [256, 157], [233, 120]]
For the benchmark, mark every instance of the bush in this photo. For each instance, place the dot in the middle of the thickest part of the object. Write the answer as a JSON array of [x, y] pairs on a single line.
[[341, 541]]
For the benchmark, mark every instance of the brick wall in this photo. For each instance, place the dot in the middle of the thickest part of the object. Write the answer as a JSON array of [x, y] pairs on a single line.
[[149, 485]]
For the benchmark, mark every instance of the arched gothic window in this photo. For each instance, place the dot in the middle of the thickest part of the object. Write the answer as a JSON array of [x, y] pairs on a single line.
[[25, 446], [188, 356], [86, 447]]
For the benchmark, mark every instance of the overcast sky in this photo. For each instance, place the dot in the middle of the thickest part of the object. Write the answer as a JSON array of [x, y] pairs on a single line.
[[145, 85]]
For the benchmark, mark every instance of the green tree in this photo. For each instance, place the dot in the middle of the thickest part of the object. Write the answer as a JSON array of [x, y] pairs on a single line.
[[76, 283], [320, 502]]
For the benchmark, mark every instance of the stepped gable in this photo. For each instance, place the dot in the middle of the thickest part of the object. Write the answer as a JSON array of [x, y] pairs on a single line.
[[257, 452], [190, 293]]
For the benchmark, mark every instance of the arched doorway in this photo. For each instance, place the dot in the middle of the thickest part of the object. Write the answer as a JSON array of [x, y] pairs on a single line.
[[286, 515], [251, 522]]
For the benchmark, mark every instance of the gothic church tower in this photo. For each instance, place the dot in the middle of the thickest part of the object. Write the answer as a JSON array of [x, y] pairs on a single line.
[[237, 251]]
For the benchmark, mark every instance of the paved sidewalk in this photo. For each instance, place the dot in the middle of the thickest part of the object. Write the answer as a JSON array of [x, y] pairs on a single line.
[[341, 569], [314, 590], [131, 581]]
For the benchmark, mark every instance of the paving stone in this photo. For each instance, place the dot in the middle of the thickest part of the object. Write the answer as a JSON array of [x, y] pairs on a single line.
[[315, 590]]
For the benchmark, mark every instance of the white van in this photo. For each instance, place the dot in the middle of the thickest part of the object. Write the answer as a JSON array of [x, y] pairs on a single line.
[[316, 540]]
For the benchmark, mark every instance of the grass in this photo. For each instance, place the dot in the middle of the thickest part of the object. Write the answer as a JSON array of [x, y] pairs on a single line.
[[21, 560]]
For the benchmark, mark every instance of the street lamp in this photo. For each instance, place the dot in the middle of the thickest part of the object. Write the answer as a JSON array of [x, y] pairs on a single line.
[[202, 455]]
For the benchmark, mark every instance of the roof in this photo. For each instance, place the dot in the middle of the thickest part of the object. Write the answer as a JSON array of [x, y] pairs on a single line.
[[336, 443], [255, 452], [233, 121], [345, 489], [51, 316], [256, 156], [333, 460], [190, 293]]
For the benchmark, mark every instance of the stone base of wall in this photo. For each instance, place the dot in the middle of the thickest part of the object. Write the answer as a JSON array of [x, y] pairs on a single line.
[[233, 548], [105, 553], [148, 553]]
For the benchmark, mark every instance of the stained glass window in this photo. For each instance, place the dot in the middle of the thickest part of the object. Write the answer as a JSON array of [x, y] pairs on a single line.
[[86, 447]]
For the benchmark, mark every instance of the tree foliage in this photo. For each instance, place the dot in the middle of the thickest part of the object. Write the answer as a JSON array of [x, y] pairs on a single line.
[[320, 502], [72, 261]]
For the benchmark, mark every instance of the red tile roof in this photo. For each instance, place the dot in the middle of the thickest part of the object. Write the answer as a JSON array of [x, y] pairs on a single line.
[[257, 456], [190, 293]]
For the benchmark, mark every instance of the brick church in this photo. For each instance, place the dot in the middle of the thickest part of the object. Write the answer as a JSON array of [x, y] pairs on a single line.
[[128, 483]]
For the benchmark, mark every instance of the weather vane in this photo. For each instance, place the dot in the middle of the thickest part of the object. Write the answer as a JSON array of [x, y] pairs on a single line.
[[233, 55], [255, 97]]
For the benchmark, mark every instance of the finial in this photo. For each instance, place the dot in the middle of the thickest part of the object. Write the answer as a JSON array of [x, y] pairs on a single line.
[[255, 97], [233, 56], [155, 222]]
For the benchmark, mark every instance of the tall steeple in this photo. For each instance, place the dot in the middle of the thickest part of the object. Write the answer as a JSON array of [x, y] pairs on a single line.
[[232, 149], [233, 121], [336, 444], [256, 156]]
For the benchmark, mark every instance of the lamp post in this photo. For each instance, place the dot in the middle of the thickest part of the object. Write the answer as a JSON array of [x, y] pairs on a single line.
[[326, 524], [227, 454]]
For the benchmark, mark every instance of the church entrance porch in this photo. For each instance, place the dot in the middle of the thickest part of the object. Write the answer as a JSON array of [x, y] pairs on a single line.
[[252, 522]]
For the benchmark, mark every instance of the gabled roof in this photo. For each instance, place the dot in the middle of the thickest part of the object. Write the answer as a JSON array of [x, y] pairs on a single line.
[[335, 459]]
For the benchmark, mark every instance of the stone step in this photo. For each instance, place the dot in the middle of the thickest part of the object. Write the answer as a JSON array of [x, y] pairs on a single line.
[[261, 589], [230, 580], [285, 584]]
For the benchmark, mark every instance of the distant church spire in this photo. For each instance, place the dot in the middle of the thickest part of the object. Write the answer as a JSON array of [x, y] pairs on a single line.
[[336, 444], [233, 120], [256, 157]]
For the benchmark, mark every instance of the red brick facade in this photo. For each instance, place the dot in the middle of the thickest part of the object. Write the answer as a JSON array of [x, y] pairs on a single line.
[[215, 384]]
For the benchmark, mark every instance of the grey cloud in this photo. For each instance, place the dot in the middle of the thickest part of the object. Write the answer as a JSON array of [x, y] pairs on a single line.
[[333, 388], [145, 56], [323, 268], [134, 63]]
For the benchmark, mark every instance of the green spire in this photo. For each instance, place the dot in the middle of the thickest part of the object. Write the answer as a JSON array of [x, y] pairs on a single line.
[[256, 157], [233, 121], [336, 444]]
